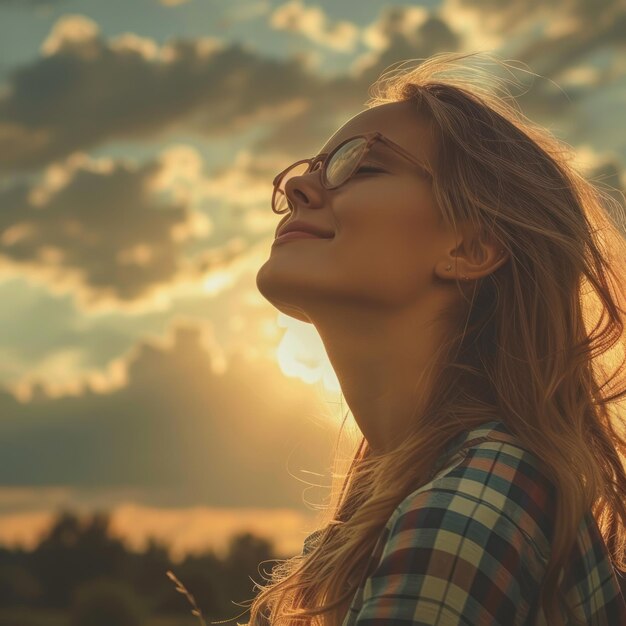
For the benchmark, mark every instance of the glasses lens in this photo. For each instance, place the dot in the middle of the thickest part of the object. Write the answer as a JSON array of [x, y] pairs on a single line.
[[339, 168], [343, 162], [280, 199]]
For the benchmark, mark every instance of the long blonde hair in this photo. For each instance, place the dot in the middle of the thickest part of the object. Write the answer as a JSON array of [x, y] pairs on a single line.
[[540, 346]]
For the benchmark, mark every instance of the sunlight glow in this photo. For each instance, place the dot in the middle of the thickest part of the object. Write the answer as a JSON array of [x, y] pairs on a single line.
[[301, 354]]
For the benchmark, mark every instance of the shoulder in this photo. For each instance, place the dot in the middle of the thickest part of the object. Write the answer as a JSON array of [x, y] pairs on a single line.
[[471, 545], [495, 489]]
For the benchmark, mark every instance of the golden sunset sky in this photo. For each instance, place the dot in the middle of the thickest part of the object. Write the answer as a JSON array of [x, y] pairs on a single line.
[[141, 371]]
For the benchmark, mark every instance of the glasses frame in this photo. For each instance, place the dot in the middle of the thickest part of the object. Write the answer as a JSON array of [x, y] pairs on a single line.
[[325, 157]]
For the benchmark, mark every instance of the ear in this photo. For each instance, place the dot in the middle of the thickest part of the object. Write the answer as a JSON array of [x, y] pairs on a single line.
[[473, 254]]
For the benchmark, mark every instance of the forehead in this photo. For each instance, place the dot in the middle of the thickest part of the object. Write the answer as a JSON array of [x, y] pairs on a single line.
[[398, 121]]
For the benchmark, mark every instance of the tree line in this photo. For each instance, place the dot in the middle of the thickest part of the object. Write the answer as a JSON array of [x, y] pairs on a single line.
[[75, 551]]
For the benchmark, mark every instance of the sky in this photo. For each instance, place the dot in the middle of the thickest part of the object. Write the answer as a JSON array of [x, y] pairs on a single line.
[[140, 369]]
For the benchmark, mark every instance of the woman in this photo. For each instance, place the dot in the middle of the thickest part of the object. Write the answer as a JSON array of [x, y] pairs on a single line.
[[468, 285]]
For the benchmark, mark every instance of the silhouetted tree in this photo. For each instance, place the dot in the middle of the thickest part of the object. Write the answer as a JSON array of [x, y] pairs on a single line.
[[18, 585], [102, 602], [243, 562], [74, 551], [147, 575], [204, 576]]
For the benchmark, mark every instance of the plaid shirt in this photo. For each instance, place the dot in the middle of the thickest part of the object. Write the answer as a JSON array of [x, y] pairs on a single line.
[[470, 547]]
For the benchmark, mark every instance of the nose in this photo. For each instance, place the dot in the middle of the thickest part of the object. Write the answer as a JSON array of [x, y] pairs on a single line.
[[305, 190]]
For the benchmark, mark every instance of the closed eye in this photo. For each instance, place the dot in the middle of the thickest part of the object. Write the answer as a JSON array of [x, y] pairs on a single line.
[[366, 168]]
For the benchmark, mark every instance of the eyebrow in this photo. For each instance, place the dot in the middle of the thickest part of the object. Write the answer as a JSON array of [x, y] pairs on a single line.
[[378, 149]]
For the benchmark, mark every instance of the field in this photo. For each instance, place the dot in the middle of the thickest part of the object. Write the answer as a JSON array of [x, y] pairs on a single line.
[[32, 617]]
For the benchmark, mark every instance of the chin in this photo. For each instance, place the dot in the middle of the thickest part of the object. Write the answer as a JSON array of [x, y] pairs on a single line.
[[264, 285]]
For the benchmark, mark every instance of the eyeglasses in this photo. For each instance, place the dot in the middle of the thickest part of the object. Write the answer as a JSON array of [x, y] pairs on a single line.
[[337, 166]]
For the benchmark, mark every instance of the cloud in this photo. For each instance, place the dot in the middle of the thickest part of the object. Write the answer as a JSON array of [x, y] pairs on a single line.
[[112, 231], [248, 11], [71, 32], [133, 237], [475, 29], [29, 3], [313, 23], [64, 101], [394, 21], [85, 91], [556, 54], [553, 36], [245, 181], [511, 14], [177, 422], [403, 33], [398, 33], [548, 41]]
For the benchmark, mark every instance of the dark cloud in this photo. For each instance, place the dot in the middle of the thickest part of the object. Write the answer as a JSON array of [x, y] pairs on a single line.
[[557, 35], [175, 422], [428, 38], [29, 3], [86, 91], [511, 15], [553, 55], [309, 129], [543, 96], [227, 439], [104, 230]]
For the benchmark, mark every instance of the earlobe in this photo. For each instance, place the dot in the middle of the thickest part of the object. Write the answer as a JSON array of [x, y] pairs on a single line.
[[448, 269], [471, 255], [475, 272]]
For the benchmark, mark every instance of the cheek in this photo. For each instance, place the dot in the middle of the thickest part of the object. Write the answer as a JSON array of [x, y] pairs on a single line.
[[387, 215], [389, 233], [389, 255]]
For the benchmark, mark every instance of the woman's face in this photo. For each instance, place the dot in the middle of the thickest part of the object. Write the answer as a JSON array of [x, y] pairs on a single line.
[[387, 231]]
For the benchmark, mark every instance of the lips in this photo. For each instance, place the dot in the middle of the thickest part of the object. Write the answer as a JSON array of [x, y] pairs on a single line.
[[297, 234], [305, 227]]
